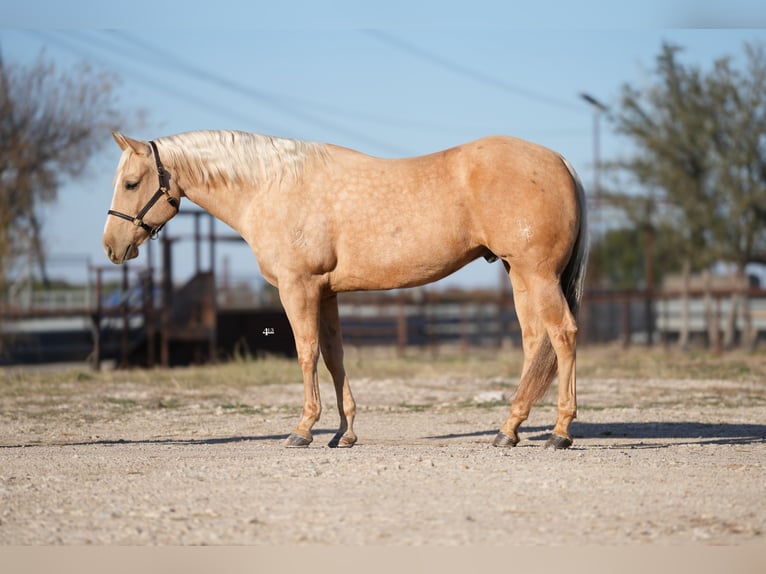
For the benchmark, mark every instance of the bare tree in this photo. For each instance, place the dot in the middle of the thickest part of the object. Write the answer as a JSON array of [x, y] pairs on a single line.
[[51, 122]]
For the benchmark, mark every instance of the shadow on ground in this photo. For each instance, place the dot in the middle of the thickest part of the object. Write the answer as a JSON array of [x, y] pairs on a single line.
[[676, 433], [624, 435]]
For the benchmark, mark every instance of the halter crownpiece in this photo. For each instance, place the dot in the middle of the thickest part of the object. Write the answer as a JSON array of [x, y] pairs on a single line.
[[164, 189]]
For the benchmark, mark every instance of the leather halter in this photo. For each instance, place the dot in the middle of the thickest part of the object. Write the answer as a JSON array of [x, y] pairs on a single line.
[[164, 189]]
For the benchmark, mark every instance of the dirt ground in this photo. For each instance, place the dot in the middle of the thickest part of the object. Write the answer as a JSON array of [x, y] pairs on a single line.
[[655, 462]]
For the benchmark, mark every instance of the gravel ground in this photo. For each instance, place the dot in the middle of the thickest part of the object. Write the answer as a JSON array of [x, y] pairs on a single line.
[[655, 462]]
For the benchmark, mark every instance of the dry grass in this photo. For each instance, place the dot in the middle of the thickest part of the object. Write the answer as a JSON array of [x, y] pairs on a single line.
[[79, 397], [603, 362], [607, 362]]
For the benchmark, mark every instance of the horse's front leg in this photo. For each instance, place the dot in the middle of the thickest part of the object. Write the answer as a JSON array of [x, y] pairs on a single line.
[[302, 306], [331, 343]]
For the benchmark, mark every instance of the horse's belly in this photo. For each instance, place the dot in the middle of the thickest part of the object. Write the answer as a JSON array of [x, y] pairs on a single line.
[[381, 271]]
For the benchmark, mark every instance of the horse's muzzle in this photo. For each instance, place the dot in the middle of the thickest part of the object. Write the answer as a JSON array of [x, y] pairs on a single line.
[[118, 257]]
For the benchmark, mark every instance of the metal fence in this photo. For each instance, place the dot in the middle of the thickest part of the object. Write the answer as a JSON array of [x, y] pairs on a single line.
[[659, 317], [120, 312]]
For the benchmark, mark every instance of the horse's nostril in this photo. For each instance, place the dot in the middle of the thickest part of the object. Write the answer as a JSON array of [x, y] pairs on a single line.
[[110, 253]]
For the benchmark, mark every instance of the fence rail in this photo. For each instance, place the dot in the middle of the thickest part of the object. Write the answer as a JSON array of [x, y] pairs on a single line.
[[659, 316], [419, 317]]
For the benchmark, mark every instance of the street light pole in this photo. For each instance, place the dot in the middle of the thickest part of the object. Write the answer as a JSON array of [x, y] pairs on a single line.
[[595, 196], [598, 108]]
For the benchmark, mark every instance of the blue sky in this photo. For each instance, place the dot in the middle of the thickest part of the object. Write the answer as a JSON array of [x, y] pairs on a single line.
[[406, 79]]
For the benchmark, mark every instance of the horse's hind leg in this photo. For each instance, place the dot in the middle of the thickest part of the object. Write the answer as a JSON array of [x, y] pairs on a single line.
[[533, 338], [548, 331], [562, 332], [331, 344]]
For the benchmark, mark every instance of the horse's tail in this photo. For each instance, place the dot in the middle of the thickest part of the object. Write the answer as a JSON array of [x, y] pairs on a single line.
[[544, 366], [573, 277]]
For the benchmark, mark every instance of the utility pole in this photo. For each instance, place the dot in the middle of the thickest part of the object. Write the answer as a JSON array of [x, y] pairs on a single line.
[[4, 93], [598, 109], [595, 195]]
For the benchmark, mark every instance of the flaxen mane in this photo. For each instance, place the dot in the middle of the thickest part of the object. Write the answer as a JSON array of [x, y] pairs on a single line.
[[232, 157]]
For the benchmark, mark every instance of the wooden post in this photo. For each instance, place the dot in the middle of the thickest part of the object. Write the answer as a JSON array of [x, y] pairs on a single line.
[[149, 324], [167, 291], [626, 321], [213, 334], [197, 240], [96, 318], [401, 326], [125, 313]]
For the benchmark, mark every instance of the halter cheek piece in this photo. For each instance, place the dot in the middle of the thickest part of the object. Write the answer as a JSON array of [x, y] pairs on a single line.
[[164, 189]]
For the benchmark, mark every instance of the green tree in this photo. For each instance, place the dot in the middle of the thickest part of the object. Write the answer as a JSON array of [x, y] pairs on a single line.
[[669, 122], [739, 158], [699, 139], [621, 257]]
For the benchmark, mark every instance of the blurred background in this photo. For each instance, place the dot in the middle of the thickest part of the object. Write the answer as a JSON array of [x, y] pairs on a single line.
[[660, 107]]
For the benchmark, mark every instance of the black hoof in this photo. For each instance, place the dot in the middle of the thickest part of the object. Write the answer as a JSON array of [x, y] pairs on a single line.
[[505, 440], [557, 441], [298, 441], [342, 441]]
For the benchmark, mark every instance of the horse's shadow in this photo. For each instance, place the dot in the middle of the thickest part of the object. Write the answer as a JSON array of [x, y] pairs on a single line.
[[614, 435], [165, 441], [633, 434]]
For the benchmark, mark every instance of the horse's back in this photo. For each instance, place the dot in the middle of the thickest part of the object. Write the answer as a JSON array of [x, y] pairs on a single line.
[[483, 167]]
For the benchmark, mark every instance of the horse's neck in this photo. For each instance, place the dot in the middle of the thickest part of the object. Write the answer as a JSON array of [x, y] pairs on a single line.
[[224, 204], [279, 164]]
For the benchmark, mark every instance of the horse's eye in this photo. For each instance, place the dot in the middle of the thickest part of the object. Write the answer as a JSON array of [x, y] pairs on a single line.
[[130, 185]]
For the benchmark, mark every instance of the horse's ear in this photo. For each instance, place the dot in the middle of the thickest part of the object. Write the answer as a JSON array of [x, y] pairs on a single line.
[[139, 147]]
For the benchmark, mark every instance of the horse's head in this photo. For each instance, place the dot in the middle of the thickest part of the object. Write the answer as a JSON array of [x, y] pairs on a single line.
[[143, 200]]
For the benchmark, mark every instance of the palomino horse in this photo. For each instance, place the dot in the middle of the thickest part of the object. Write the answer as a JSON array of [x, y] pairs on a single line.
[[323, 219]]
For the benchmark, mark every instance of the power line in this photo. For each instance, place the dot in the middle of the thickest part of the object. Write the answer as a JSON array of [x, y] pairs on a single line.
[[98, 46], [467, 72], [152, 64], [295, 108], [49, 36], [279, 97]]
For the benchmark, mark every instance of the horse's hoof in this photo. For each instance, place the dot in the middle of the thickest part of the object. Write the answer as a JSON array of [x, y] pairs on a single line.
[[298, 441], [342, 441], [503, 439], [557, 441]]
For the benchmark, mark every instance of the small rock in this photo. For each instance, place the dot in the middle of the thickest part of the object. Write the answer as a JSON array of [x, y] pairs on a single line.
[[490, 397]]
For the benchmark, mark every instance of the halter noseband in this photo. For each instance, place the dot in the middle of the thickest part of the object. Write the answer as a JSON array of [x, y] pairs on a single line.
[[164, 189]]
